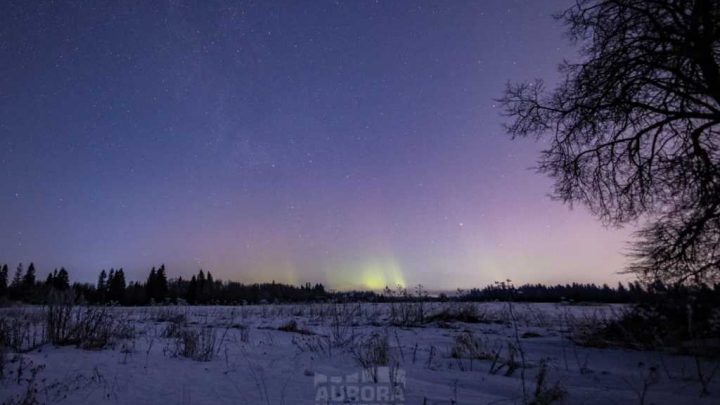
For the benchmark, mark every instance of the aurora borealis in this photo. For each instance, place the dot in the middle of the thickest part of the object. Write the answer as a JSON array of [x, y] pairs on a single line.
[[356, 144]]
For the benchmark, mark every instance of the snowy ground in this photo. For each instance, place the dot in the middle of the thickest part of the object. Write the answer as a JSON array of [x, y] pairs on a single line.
[[241, 357]]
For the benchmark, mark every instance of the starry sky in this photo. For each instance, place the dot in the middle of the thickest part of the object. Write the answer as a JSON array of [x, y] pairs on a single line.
[[357, 143]]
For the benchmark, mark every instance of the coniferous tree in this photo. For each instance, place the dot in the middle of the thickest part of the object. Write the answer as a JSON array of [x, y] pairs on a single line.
[[18, 278], [61, 280], [3, 280], [150, 292], [161, 285], [29, 278], [208, 287], [15, 291], [50, 280], [200, 291], [117, 286], [191, 296], [102, 286]]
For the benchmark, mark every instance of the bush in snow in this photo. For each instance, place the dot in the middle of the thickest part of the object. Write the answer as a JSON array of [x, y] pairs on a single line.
[[467, 346], [196, 343], [545, 394], [372, 353], [86, 327]]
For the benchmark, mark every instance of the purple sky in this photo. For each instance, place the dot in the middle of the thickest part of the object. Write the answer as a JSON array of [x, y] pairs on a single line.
[[354, 143]]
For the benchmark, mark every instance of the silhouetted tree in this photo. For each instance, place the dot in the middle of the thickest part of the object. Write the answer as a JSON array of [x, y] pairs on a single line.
[[102, 286], [135, 294], [18, 278], [161, 284], [150, 284], [29, 278], [3, 280], [50, 278], [61, 280], [191, 296], [633, 129], [116, 286], [156, 286], [15, 291], [200, 290]]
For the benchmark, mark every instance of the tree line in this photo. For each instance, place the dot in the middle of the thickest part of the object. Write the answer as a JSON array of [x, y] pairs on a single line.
[[203, 289], [633, 292], [113, 288]]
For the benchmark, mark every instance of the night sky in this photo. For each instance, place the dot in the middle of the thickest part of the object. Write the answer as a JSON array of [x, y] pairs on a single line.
[[356, 144]]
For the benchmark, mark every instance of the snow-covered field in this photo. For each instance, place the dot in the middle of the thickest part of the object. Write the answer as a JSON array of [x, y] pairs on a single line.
[[337, 353]]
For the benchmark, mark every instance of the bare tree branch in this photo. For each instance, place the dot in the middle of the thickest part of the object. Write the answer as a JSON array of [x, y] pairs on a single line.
[[634, 128]]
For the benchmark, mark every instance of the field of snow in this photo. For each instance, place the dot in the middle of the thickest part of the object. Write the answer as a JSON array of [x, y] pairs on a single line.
[[439, 353]]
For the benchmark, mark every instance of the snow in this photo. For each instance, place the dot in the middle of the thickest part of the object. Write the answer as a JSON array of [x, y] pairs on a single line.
[[255, 363]]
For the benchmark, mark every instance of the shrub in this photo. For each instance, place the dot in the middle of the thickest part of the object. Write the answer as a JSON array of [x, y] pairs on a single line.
[[467, 346], [174, 328], [467, 313], [372, 353], [292, 326], [341, 321], [85, 327], [682, 320], [196, 343], [20, 335], [3, 361], [545, 395]]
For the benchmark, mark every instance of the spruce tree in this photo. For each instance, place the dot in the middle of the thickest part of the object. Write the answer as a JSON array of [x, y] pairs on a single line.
[[29, 278], [192, 291], [150, 285], [102, 286], [62, 280], [3, 280], [161, 285], [50, 280], [110, 283], [200, 290], [116, 286], [17, 280]]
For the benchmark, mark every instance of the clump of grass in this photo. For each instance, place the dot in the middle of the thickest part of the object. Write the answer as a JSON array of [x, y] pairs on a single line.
[[20, 335], [467, 346], [174, 328], [545, 394], [170, 315], [27, 373], [467, 313], [244, 333], [375, 351], [292, 326], [341, 324], [648, 378], [87, 328], [509, 362], [3, 361], [372, 353], [196, 343], [315, 344]]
